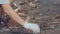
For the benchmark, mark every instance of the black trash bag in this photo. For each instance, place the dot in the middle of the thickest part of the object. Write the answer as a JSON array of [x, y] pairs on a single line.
[[4, 20]]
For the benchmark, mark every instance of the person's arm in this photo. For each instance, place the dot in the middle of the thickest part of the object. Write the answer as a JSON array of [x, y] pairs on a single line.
[[8, 9], [18, 19]]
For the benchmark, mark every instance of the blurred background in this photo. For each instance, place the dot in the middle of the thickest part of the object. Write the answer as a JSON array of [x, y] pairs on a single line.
[[46, 13]]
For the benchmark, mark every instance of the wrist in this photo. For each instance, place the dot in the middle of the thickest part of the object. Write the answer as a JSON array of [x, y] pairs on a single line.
[[26, 24], [10, 1]]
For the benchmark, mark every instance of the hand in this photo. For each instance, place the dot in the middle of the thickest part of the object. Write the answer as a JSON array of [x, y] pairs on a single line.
[[34, 27]]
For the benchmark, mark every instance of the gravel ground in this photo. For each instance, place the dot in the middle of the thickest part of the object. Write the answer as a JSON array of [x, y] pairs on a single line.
[[45, 13]]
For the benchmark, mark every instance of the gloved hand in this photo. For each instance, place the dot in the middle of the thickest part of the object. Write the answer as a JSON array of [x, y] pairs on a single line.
[[4, 1], [35, 28]]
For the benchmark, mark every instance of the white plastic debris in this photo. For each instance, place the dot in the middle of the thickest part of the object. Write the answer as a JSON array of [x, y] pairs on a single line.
[[35, 27], [17, 4]]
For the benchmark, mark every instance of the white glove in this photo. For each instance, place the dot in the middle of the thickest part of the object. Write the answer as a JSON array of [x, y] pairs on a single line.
[[4, 1], [35, 28]]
